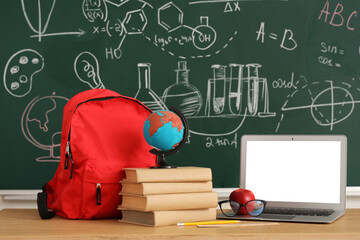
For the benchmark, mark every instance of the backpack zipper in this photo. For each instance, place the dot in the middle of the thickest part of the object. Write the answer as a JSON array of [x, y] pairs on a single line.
[[68, 154], [95, 99], [98, 194]]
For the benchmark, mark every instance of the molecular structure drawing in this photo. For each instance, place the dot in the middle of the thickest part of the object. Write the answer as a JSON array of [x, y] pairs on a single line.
[[170, 17]]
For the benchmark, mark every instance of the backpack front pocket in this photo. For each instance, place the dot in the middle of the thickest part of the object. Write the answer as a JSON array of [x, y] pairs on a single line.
[[101, 193]]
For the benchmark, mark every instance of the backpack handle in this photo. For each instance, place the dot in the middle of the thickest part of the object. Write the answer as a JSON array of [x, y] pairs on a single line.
[[42, 205]]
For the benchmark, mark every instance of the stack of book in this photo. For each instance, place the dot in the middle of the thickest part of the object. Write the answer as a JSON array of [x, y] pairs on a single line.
[[160, 197]]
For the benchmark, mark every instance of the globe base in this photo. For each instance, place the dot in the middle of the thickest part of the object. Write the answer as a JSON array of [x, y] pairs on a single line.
[[161, 162], [159, 167]]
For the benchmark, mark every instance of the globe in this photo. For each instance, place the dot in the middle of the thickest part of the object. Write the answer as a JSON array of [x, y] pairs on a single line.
[[163, 130]]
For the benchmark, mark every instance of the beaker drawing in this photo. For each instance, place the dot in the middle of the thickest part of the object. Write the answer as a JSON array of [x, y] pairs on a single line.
[[253, 87], [144, 93], [216, 91], [182, 95], [236, 88]]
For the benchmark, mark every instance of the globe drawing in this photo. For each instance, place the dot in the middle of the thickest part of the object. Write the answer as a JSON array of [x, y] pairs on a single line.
[[329, 104], [163, 130], [332, 106], [41, 125]]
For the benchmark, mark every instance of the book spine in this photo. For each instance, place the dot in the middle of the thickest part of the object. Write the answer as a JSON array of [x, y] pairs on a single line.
[[171, 201], [162, 188], [169, 175], [191, 187], [164, 218]]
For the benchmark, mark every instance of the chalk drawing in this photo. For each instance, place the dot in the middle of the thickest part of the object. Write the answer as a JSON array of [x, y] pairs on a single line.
[[86, 67], [41, 125], [204, 36], [182, 95], [94, 10], [229, 99], [20, 70], [288, 42], [177, 17], [329, 103], [37, 25], [144, 93], [192, 56], [134, 22], [226, 1], [119, 3], [243, 90]]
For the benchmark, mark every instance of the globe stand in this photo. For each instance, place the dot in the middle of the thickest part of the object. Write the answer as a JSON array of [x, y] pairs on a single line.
[[161, 162]]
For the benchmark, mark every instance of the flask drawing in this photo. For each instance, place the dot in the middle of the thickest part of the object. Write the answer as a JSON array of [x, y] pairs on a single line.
[[182, 95], [144, 93], [204, 36]]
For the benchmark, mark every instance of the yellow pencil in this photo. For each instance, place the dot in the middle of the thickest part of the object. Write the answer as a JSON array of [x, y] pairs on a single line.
[[208, 223], [237, 225]]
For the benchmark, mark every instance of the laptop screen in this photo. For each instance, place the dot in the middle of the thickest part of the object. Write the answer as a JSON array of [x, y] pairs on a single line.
[[294, 171]]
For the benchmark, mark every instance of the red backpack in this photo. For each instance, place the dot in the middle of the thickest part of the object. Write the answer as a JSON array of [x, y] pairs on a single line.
[[102, 133]]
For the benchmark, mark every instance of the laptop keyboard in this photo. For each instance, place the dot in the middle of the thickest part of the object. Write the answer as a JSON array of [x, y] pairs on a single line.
[[299, 211]]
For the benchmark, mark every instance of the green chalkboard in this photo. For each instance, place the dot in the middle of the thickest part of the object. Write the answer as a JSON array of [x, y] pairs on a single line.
[[233, 67]]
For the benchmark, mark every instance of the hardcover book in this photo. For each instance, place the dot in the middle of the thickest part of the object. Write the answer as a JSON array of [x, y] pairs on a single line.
[[180, 174], [164, 218], [162, 188], [177, 201]]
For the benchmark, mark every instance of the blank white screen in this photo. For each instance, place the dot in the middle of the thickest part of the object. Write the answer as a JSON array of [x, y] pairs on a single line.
[[294, 171]]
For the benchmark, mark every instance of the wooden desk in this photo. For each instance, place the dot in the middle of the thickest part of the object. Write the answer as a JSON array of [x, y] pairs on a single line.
[[26, 224]]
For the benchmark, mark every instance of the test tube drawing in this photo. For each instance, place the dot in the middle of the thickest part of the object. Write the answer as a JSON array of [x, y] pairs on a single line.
[[264, 100], [253, 87], [242, 93], [236, 88], [216, 90]]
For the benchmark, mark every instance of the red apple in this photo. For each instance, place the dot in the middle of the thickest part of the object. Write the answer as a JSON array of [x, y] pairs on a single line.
[[242, 196]]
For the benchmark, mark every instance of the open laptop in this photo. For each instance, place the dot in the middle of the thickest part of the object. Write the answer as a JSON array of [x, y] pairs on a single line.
[[302, 177]]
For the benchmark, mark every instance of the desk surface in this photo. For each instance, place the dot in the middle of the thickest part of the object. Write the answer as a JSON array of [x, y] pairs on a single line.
[[26, 224]]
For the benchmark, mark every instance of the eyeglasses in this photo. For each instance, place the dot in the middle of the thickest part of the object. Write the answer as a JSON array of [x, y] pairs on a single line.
[[231, 208]]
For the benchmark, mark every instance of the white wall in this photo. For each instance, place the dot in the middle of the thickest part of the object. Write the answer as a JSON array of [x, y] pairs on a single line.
[[18, 198], [27, 198]]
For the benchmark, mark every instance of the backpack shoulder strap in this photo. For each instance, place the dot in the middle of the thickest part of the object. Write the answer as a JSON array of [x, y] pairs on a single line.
[[42, 205]]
